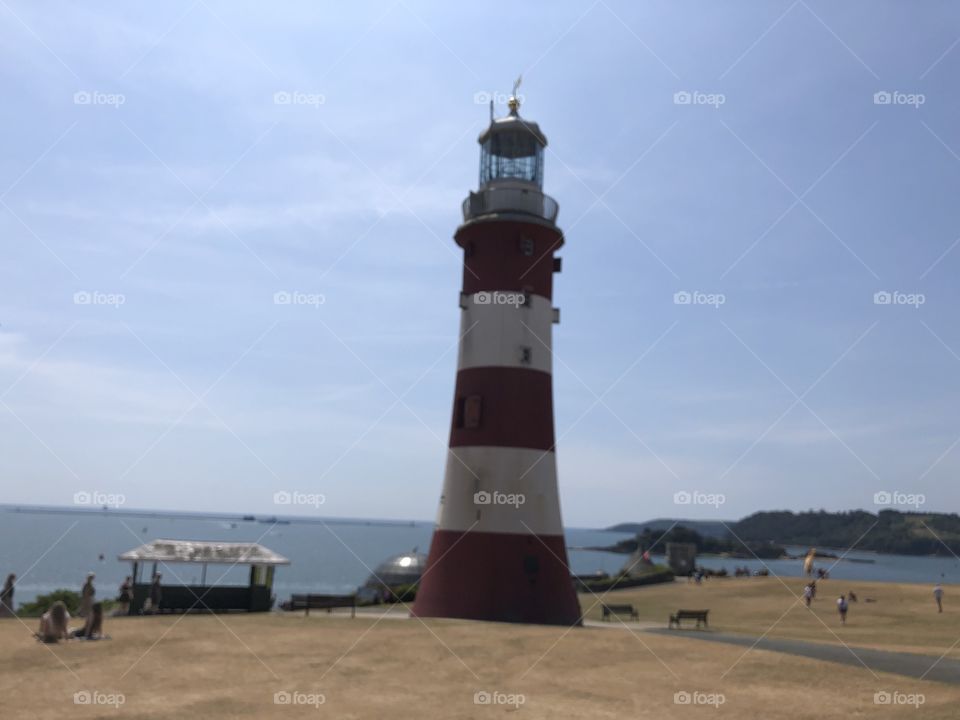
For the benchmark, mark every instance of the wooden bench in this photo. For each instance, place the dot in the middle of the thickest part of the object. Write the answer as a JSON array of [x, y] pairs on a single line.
[[321, 602], [616, 610], [698, 615]]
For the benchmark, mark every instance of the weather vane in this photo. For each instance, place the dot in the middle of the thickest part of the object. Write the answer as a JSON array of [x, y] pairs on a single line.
[[514, 102]]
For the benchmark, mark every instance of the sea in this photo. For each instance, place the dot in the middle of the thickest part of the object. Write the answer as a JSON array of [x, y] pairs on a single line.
[[52, 548]]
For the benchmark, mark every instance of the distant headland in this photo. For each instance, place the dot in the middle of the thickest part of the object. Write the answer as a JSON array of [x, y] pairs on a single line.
[[767, 533]]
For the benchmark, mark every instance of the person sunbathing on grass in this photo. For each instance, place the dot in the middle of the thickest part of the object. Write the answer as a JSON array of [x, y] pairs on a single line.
[[54, 624], [93, 627]]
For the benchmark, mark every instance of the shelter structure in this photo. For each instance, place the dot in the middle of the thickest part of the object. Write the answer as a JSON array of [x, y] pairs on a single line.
[[257, 596]]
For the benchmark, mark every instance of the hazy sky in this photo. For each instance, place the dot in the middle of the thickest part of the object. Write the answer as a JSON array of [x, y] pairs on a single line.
[[183, 162]]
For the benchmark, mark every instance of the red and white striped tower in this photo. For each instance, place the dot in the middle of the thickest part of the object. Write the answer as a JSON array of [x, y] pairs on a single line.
[[498, 551]]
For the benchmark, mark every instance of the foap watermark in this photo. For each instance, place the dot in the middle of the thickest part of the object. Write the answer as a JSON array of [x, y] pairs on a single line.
[[886, 697], [295, 697], [495, 697], [483, 97], [298, 97], [685, 697], [95, 697], [696, 497], [98, 297], [696, 297], [96, 498], [895, 97], [496, 297], [895, 297], [695, 97], [96, 97], [887, 498], [296, 297], [295, 497], [485, 497]]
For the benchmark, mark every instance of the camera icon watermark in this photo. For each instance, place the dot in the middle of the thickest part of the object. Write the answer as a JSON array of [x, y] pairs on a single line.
[[496, 297], [885, 697], [485, 497], [696, 497], [895, 297], [95, 697], [696, 697], [296, 297], [695, 97], [896, 498], [95, 97], [96, 297], [696, 297], [97, 498], [495, 697], [295, 497], [298, 97], [895, 97], [298, 698]]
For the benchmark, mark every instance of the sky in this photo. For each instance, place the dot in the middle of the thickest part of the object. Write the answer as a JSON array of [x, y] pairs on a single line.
[[790, 168]]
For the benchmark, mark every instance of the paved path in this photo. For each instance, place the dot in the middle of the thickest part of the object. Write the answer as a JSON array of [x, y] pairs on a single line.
[[922, 667]]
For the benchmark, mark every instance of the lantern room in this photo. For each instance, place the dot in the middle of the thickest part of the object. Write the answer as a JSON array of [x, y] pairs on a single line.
[[511, 169], [512, 150]]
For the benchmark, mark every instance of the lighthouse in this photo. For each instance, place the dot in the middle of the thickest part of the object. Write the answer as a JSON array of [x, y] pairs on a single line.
[[498, 550]]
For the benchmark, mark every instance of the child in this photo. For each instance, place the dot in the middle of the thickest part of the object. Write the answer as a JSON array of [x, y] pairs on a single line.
[[842, 609]]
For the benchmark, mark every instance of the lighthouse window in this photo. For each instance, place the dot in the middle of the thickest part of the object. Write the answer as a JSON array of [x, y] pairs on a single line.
[[472, 408], [526, 355], [526, 246], [467, 412]]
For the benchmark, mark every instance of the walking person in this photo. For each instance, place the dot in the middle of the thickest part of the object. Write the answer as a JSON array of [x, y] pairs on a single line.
[[6, 596], [807, 594], [86, 596], [938, 596], [842, 609], [125, 597]]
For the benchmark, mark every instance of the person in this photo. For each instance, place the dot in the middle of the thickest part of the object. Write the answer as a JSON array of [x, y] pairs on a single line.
[[93, 628], [842, 609], [807, 594], [54, 623], [6, 596], [125, 597], [86, 596], [813, 589], [156, 593], [938, 596]]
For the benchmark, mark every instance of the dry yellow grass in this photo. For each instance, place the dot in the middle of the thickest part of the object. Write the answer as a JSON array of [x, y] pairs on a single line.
[[231, 666], [904, 616]]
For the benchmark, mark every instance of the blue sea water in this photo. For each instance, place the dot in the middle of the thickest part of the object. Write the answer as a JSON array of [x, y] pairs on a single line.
[[50, 550]]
